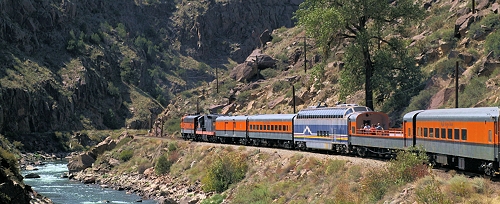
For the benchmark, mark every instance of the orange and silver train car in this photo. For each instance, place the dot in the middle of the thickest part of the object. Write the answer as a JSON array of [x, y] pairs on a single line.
[[271, 130], [466, 138], [232, 129]]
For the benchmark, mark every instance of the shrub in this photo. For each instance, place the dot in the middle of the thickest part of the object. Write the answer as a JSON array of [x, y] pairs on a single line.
[[334, 166], [281, 86], [431, 194], [481, 185], [409, 165], [123, 141], [492, 43], [226, 169], [376, 183], [473, 92], [460, 186], [256, 193], [269, 73], [172, 146], [126, 155], [163, 165], [215, 199]]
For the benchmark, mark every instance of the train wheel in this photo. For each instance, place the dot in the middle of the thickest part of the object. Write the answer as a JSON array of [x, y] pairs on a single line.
[[361, 151]]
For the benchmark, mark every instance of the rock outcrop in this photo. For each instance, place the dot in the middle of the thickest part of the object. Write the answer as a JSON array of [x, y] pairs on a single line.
[[86, 159]]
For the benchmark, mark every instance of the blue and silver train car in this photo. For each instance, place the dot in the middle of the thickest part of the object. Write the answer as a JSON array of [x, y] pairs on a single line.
[[324, 127]]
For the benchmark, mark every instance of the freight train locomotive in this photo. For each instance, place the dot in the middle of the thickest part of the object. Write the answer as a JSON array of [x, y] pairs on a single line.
[[466, 138]]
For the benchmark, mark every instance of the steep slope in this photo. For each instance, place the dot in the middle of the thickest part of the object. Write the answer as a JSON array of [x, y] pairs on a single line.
[[93, 64]]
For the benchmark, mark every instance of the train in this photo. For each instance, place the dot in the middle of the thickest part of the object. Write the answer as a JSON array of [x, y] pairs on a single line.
[[463, 138]]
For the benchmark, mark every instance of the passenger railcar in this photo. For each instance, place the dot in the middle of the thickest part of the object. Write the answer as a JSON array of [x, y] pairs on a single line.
[[370, 133], [466, 138], [271, 130], [324, 127], [232, 129]]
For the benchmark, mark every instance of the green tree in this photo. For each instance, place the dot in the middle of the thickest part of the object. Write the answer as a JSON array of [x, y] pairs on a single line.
[[372, 32]]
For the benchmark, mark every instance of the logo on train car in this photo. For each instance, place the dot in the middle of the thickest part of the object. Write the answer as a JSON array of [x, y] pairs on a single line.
[[307, 131], [446, 124]]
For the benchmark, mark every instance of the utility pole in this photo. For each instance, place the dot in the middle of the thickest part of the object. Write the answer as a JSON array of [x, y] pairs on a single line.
[[456, 85], [293, 98], [217, 79], [473, 6]]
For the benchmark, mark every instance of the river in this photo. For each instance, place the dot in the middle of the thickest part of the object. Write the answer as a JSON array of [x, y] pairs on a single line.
[[63, 191]]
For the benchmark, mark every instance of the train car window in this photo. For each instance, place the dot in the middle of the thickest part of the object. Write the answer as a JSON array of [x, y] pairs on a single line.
[[464, 134], [437, 133], [353, 129], [457, 134], [489, 135], [443, 133], [418, 132], [450, 134], [409, 132], [327, 133], [272, 127], [425, 132], [268, 128], [285, 128], [431, 132]]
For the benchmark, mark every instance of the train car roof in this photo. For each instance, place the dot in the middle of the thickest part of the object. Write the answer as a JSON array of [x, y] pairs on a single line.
[[409, 116], [340, 110], [271, 117], [353, 116], [460, 114], [191, 116], [231, 118]]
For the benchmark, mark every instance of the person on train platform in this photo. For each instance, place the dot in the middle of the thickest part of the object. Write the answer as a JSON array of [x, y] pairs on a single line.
[[379, 127], [372, 128], [367, 127]]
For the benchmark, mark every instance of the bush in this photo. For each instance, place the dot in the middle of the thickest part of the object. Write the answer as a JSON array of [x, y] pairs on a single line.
[[126, 155], [226, 169], [281, 86], [460, 186], [334, 166], [431, 194], [409, 165], [215, 199], [269, 73], [492, 43], [256, 193], [163, 165]]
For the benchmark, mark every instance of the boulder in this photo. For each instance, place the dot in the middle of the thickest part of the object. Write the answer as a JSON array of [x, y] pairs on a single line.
[[462, 24], [81, 162], [244, 71], [106, 145], [494, 7], [32, 175], [276, 102]]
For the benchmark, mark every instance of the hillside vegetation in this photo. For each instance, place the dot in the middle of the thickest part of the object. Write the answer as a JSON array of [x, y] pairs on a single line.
[[449, 33]]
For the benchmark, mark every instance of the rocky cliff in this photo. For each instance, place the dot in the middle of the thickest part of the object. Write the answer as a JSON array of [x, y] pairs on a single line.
[[69, 65]]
